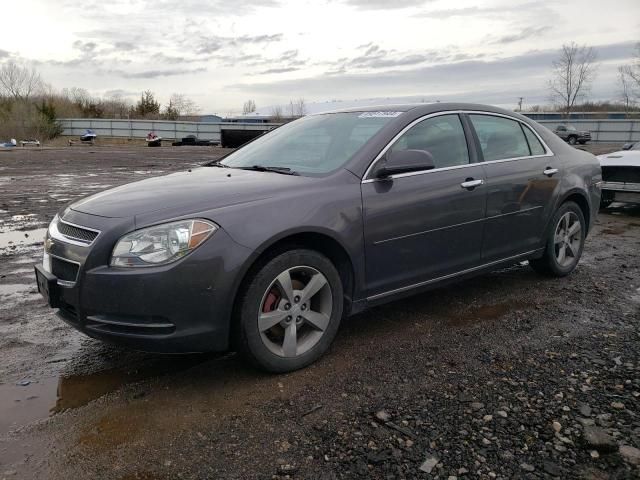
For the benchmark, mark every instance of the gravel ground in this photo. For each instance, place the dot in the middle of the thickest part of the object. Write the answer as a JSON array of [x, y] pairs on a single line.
[[508, 375]]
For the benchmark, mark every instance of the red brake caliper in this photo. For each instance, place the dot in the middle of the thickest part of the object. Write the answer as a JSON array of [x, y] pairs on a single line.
[[271, 302]]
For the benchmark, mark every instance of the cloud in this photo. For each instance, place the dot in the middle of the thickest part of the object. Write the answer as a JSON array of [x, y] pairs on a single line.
[[147, 74], [125, 46], [258, 38], [495, 81], [374, 58], [212, 44], [522, 35], [521, 10], [209, 46], [385, 4], [458, 12], [279, 70], [85, 47], [4, 54], [119, 92], [216, 7]]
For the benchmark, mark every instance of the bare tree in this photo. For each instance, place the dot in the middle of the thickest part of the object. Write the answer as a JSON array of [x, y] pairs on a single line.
[[630, 75], [180, 106], [573, 74], [298, 108], [625, 88], [277, 115], [18, 81], [116, 105], [248, 107]]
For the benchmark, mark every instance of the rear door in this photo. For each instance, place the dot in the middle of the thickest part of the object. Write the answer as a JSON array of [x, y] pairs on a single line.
[[420, 226], [522, 178]]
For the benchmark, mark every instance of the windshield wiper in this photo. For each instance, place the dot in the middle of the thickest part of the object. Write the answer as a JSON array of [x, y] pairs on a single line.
[[263, 168]]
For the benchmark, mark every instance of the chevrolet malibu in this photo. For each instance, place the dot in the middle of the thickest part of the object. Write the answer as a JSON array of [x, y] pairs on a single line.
[[268, 249]]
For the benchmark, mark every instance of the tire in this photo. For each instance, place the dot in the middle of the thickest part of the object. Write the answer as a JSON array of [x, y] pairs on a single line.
[[553, 262], [572, 140], [582, 142], [274, 312]]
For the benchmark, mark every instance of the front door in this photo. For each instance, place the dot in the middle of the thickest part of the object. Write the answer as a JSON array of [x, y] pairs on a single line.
[[421, 226]]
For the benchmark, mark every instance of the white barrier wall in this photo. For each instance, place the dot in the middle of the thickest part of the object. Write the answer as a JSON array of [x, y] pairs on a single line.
[[614, 131], [169, 130]]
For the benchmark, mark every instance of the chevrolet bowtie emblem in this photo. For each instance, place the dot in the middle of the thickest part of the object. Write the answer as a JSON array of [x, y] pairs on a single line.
[[48, 243]]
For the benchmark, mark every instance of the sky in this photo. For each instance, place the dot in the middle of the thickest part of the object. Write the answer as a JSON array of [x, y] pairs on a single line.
[[221, 53]]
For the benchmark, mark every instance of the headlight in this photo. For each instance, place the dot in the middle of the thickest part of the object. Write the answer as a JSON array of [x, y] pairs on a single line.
[[160, 244]]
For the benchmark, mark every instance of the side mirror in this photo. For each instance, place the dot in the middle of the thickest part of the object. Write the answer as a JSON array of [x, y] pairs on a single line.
[[404, 161], [627, 146]]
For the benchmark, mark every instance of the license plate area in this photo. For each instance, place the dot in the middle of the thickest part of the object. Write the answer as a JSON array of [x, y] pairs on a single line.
[[48, 286]]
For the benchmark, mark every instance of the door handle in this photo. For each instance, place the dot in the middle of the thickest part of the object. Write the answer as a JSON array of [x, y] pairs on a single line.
[[550, 172], [470, 183]]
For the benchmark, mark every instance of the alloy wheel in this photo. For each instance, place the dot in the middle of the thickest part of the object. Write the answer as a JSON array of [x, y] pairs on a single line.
[[295, 311], [568, 239]]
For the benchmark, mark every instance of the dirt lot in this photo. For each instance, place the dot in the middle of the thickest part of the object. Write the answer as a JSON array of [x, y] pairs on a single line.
[[509, 375]]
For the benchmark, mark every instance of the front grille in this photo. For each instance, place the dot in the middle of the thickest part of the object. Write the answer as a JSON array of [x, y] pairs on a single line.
[[77, 233], [65, 271], [621, 174]]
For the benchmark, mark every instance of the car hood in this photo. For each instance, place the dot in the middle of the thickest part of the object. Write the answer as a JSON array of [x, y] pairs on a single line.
[[198, 189], [623, 158]]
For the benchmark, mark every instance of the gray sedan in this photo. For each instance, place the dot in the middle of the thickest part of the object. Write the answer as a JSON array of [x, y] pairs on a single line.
[[269, 249]]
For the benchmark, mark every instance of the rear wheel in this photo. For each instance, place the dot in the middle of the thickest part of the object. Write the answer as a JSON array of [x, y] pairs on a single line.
[[290, 311], [565, 242]]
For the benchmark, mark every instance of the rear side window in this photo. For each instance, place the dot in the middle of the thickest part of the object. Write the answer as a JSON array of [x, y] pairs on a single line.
[[534, 144], [443, 137], [500, 138]]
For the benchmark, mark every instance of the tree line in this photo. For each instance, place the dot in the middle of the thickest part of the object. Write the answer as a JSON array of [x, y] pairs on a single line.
[[29, 107]]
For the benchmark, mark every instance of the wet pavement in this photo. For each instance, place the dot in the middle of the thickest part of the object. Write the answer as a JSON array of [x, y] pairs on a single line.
[[72, 406]]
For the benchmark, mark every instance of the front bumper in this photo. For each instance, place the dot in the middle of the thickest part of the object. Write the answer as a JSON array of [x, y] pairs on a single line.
[[621, 192], [185, 306]]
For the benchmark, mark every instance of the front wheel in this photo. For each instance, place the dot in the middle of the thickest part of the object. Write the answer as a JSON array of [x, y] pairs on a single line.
[[565, 242], [572, 140], [290, 311]]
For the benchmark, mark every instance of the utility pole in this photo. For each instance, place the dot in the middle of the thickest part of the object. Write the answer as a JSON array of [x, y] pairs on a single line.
[[520, 103]]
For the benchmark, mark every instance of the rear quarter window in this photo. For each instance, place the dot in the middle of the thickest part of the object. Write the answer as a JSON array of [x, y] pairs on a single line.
[[534, 144]]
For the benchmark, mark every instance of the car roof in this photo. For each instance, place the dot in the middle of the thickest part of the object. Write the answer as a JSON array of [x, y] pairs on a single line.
[[424, 108]]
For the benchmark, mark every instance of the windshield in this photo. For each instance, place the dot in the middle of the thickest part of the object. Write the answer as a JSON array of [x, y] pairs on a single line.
[[312, 145], [636, 146], [571, 127]]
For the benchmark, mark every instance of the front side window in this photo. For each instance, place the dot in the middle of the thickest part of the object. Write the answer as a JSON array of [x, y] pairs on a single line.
[[312, 145], [442, 136], [500, 138]]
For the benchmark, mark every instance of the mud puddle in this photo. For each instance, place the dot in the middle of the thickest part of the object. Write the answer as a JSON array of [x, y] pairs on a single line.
[[615, 230], [487, 312], [16, 238], [25, 402], [14, 289]]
